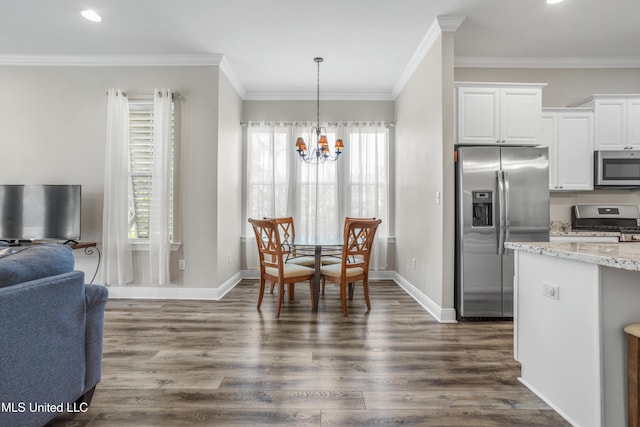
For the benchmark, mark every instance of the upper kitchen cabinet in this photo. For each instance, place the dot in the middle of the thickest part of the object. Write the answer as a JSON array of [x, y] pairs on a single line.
[[499, 113], [616, 121], [568, 132]]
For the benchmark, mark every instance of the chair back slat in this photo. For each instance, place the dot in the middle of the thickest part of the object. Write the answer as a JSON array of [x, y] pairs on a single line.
[[268, 240], [359, 234], [287, 232]]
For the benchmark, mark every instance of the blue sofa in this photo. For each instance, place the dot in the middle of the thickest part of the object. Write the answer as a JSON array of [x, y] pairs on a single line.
[[51, 329]]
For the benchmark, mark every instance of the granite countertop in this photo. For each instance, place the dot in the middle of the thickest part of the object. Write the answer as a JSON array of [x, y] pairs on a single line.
[[625, 255], [584, 233]]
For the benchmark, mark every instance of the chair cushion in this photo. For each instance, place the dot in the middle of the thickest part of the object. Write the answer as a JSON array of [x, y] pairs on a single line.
[[291, 270], [327, 260], [334, 270], [633, 329], [307, 261]]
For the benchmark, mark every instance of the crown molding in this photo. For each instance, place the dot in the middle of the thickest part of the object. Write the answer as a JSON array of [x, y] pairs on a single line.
[[544, 62], [449, 23], [439, 25], [226, 68], [312, 96], [212, 59], [112, 60]]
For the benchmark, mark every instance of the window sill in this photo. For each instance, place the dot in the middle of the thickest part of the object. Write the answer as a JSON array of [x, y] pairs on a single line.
[[143, 245]]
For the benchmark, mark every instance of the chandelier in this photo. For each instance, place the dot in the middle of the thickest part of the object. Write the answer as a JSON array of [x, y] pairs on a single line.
[[318, 152]]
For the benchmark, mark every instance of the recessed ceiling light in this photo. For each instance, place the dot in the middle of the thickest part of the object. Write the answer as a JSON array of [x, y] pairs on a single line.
[[91, 15], [553, 1]]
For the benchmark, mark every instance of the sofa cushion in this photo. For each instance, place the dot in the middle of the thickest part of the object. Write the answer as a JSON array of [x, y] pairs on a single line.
[[35, 262]]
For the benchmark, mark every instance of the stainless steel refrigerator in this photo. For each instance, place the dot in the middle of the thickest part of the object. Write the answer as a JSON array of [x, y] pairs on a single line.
[[502, 194]]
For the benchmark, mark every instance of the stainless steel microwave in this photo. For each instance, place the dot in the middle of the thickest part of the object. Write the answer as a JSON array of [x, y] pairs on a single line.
[[617, 169]]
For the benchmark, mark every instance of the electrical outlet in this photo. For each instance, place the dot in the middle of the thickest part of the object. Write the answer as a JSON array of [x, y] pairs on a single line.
[[413, 263], [550, 291], [181, 264], [228, 258]]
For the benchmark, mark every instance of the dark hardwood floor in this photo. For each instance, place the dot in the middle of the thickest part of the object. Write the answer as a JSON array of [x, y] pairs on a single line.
[[199, 363]]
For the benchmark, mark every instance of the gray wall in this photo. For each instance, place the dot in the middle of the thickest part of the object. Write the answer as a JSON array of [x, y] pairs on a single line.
[[424, 159], [230, 181], [53, 130], [330, 111], [564, 85]]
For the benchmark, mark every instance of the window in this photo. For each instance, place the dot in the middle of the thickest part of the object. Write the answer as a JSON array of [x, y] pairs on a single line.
[[318, 196], [141, 155]]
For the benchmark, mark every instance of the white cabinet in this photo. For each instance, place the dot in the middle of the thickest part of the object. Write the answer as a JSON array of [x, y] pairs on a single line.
[[617, 122], [499, 113], [569, 135]]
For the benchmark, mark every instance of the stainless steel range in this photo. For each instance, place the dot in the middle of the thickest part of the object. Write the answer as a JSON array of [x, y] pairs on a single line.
[[624, 219]]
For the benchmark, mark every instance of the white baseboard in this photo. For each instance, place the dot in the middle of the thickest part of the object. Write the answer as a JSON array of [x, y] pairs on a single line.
[[548, 402], [168, 292], [214, 294], [442, 315]]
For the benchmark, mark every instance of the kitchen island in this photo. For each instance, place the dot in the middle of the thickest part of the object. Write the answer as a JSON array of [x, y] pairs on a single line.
[[571, 303]]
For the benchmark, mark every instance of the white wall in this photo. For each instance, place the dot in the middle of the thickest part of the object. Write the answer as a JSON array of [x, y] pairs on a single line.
[[424, 155], [52, 130], [566, 86]]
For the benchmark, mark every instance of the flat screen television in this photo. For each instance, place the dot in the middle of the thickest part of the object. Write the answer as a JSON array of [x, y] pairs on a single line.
[[40, 212]]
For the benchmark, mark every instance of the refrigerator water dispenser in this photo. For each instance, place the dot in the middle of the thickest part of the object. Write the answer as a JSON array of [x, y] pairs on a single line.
[[482, 202]]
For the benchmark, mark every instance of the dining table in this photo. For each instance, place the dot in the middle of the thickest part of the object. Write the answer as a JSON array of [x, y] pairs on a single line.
[[318, 249]]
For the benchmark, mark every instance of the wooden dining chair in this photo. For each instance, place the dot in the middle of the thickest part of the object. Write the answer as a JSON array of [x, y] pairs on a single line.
[[287, 231], [272, 265], [337, 259], [359, 234]]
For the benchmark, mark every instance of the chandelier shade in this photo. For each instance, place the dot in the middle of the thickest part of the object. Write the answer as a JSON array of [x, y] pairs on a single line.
[[318, 151]]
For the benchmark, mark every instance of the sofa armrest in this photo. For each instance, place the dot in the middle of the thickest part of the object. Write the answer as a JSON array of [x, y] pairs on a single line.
[[95, 299], [42, 350]]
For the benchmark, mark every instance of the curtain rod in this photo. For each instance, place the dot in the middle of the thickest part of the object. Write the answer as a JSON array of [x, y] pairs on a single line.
[[307, 123], [174, 95]]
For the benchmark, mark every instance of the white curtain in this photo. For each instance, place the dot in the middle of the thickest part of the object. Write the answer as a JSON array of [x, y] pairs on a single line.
[[117, 265], [159, 203], [367, 192], [269, 168], [318, 196]]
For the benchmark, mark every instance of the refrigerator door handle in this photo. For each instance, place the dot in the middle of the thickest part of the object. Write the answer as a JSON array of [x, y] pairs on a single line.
[[501, 210], [507, 214]]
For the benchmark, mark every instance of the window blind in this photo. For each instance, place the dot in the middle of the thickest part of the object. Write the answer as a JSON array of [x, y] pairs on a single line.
[[141, 156]]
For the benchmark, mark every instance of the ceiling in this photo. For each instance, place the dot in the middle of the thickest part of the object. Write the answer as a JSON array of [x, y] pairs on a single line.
[[268, 46]]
